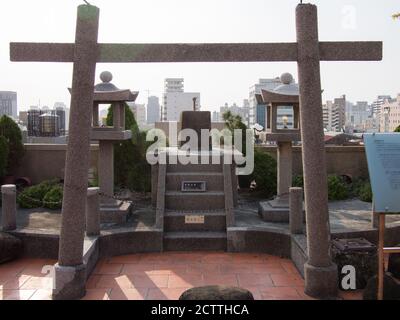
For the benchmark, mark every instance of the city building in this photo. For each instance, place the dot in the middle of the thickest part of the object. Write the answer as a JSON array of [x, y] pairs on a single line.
[[216, 116], [139, 111], [64, 125], [176, 100], [23, 118], [357, 116], [334, 114], [377, 105], [390, 115], [153, 110], [8, 104], [46, 122]]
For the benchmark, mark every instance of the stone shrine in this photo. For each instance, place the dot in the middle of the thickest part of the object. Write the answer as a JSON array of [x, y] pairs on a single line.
[[283, 127], [111, 210], [195, 201]]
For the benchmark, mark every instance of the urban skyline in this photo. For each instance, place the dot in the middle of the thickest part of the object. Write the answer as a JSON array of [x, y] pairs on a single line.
[[218, 83]]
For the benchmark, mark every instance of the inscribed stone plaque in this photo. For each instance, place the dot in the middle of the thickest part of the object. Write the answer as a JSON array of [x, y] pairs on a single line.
[[194, 219], [383, 156]]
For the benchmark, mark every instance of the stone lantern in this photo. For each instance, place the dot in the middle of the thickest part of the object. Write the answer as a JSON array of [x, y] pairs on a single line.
[[112, 210], [283, 127]]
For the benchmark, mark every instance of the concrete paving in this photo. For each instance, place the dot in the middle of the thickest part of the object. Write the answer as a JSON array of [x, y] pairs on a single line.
[[348, 215]]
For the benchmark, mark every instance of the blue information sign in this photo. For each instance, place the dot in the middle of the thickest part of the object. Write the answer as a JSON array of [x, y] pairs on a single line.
[[383, 156]]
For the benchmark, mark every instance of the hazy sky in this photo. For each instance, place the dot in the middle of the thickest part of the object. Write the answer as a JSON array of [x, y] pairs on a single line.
[[146, 21]]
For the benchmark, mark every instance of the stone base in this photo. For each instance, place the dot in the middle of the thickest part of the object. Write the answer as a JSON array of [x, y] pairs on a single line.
[[115, 213], [70, 282], [320, 282], [273, 214]]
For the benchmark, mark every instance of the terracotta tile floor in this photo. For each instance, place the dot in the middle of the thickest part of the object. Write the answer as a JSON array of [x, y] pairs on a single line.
[[164, 276]]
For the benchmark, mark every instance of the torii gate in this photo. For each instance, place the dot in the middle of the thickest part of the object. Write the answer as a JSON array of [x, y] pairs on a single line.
[[320, 272]]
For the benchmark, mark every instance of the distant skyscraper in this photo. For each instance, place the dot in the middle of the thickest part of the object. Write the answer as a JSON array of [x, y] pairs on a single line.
[[139, 111], [8, 104], [377, 108], [153, 110], [390, 115], [175, 100], [33, 122]]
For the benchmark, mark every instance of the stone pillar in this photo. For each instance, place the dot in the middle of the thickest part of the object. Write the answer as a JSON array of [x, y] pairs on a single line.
[[296, 217], [285, 160], [9, 207], [106, 170], [93, 212], [320, 272], [70, 272]]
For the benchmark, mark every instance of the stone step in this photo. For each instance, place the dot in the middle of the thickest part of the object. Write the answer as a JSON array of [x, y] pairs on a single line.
[[212, 200], [193, 168], [214, 180], [195, 241], [174, 221]]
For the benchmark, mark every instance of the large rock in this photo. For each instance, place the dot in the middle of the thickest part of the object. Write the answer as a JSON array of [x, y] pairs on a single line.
[[391, 289], [394, 264], [217, 293], [10, 247]]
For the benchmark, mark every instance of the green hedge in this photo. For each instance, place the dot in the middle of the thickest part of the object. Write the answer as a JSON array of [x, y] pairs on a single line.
[[4, 150], [53, 198], [32, 197], [265, 172]]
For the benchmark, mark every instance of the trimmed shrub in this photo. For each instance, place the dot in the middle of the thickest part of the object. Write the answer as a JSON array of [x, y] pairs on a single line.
[[265, 171], [32, 197], [3, 156], [131, 169], [362, 190], [12, 133], [337, 188], [53, 198]]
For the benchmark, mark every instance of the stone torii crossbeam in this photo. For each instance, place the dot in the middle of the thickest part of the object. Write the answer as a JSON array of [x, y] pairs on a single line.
[[320, 272]]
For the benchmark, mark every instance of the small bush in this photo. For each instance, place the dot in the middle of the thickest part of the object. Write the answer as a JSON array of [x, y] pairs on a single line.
[[32, 197], [337, 188], [265, 173], [4, 150], [362, 190], [53, 198]]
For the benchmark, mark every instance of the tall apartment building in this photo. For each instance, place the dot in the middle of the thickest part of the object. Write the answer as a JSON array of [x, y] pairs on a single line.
[[390, 115], [176, 100], [377, 105], [359, 114], [8, 104], [334, 114], [257, 113], [153, 110]]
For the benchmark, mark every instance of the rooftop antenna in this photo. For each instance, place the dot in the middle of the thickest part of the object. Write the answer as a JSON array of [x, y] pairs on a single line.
[[87, 2]]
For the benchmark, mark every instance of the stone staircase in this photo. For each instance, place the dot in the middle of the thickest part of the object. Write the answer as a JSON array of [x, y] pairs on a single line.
[[179, 206]]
